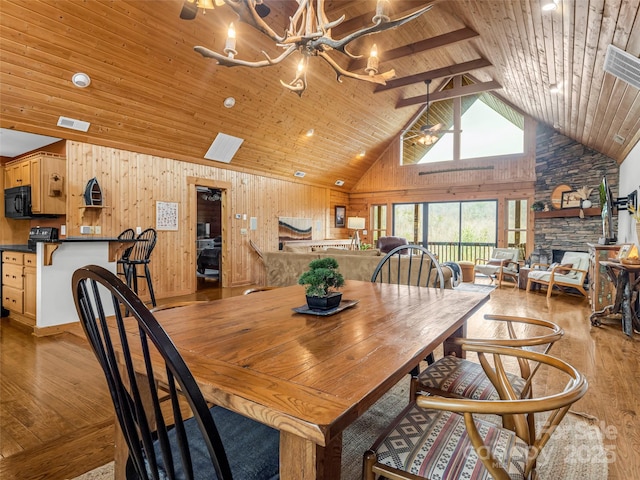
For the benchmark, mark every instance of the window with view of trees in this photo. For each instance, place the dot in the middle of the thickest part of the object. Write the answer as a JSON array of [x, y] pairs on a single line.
[[378, 222], [517, 211], [477, 126], [453, 230]]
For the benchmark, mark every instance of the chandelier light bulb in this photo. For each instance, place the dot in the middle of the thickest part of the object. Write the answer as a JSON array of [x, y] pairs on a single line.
[[230, 44], [373, 61]]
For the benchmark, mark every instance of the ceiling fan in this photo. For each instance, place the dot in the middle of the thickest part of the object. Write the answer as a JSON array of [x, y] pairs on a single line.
[[427, 134]]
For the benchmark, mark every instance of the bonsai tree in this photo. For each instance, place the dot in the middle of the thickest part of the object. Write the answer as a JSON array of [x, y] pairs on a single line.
[[322, 277]]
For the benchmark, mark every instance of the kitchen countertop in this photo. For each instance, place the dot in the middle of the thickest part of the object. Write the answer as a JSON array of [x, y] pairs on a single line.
[[24, 248]]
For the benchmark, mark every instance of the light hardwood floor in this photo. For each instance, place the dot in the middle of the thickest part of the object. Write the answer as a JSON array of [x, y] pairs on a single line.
[[56, 418]]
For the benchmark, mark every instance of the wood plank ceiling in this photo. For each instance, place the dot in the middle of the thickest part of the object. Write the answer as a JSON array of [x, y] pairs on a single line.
[[152, 93]]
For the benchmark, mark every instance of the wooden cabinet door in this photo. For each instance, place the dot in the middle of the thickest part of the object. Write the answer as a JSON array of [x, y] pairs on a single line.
[[24, 173], [12, 275], [12, 299], [36, 186], [29, 296], [17, 175]]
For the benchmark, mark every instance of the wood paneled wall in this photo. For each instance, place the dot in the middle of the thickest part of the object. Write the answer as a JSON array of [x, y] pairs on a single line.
[[133, 182]]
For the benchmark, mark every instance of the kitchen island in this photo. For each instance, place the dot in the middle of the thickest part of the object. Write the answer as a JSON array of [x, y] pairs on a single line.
[[53, 264]]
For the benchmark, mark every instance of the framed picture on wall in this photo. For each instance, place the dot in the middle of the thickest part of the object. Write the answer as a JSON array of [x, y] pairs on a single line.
[[570, 199], [341, 214]]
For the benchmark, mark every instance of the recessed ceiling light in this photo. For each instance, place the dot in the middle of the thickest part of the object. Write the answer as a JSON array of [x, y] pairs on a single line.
[[229, 102], [618, 139], [299, 174], [81, 80], [548, 7], [554, 88], [310, 132], [339, 183], [362, 154]]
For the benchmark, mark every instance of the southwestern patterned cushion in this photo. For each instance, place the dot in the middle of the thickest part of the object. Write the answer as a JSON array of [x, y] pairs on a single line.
[[464, 378], [434, 444]]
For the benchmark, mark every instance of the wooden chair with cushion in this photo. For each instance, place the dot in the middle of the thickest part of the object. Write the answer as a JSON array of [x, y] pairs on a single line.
[[503, 263], [439, 437], [570, 272], [460, 378], [180, 437]]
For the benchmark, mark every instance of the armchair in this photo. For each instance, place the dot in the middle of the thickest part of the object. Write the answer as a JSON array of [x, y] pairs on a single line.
[[502, 263], [386, 244], [570, 272]]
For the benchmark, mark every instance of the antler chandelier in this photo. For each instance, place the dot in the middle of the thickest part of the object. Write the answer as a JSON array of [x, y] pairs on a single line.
[[309, 33]]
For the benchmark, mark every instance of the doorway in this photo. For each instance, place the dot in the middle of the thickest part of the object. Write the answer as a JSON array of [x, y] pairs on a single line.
[[208, 237]]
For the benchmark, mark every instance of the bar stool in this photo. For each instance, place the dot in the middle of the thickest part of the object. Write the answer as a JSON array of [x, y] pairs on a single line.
[[121, 266], [140, 254]]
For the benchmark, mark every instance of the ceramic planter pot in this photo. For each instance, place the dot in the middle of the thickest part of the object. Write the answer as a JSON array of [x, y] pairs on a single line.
[[324, 303]]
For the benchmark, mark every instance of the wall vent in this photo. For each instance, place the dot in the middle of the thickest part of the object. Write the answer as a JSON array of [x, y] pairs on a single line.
[[223, 148], [73, 124], [622, 65]]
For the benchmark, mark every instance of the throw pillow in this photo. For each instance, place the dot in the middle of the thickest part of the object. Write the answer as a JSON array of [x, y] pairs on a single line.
[[495, 261]]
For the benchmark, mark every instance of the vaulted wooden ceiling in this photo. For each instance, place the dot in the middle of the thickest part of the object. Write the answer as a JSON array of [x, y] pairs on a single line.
[[152, 93]]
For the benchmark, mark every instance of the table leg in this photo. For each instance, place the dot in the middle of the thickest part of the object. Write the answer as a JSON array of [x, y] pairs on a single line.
[[297, 458], [452, 348]]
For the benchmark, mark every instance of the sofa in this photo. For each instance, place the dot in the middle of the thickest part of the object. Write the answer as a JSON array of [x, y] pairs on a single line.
[[284, 267]]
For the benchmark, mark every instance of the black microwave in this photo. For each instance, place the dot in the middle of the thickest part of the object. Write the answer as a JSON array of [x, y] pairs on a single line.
[[17, 203]]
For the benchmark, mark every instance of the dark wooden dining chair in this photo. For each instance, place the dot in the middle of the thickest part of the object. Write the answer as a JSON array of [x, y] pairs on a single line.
[[410, 265], [121, 263], [140, 255], [174, 437], [439, 437]]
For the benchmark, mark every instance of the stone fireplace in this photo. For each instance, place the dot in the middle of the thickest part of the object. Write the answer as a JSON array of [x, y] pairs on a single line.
[[562, 161]]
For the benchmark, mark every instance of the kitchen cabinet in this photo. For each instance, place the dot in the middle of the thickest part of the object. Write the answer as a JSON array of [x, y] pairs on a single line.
[[19, 285], [45, 172], [17, 175]]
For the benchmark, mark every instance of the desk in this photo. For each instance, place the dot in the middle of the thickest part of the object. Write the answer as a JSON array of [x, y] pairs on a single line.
[[311, 376], [626, 279]]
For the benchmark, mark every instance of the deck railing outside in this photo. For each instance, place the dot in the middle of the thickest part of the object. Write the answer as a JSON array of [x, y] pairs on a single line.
[[465, 251]]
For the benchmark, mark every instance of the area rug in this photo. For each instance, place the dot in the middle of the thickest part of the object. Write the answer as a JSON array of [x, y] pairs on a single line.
[[575, 451]]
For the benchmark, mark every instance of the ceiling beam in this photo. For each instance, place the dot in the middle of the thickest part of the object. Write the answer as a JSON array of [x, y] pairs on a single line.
[[451, 93], [400, 9], [417, 47], [449, 71]]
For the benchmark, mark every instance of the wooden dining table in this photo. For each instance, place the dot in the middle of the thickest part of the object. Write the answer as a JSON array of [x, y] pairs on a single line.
[[311, 376]]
